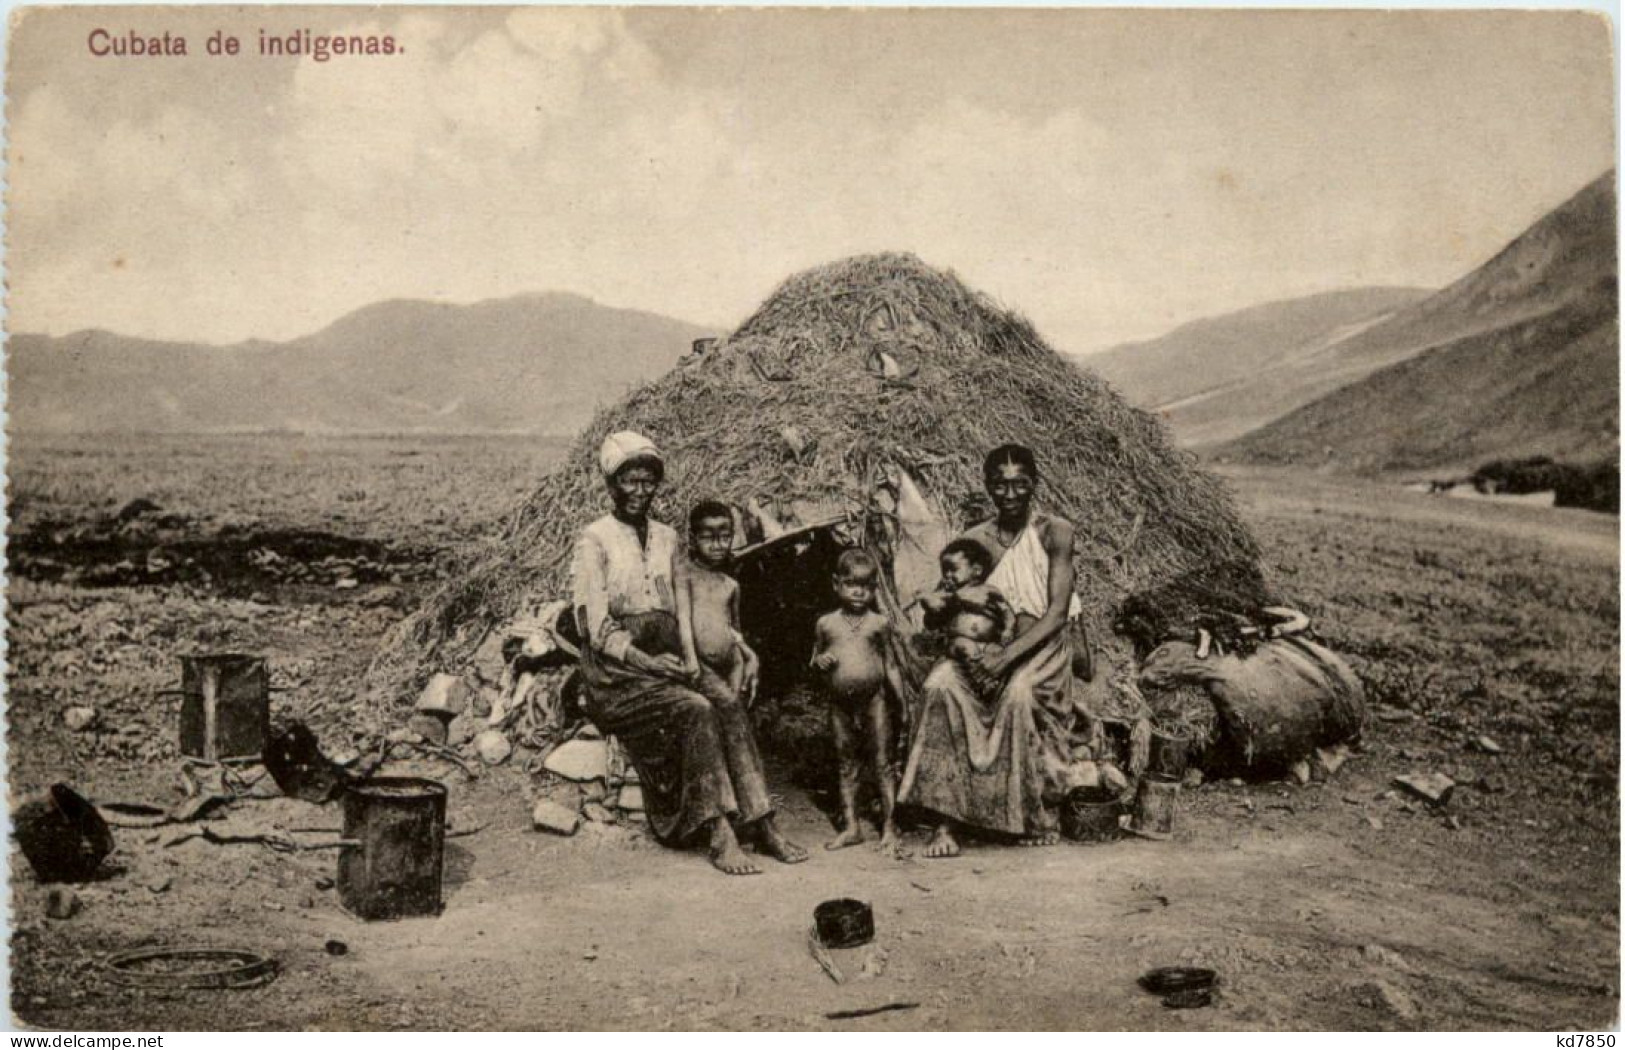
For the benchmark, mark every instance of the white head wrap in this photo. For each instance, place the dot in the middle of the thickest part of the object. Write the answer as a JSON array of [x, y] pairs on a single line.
[[624, 446]]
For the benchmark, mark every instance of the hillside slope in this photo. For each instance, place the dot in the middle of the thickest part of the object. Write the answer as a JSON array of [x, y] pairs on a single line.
[[534, 363], [1518, 358], [1213, 379]]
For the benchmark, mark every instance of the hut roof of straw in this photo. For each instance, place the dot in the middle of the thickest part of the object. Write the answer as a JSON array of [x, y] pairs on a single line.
[[870, 361]]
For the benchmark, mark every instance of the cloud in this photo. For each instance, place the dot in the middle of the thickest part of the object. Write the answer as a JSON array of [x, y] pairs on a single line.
[[687, 162]]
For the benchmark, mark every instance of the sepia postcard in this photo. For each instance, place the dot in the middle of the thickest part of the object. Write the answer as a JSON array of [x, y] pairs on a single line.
[[811, 519]]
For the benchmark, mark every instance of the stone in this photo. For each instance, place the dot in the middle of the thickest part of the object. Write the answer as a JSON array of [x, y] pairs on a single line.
[[1328, 760], [160, 883], [1081, 773], [631, 798], [1375, 823], [1193, 778], [493, 747], [462, 729], [1378, 955], [548, 815], [348, 583], [445, 694], [579, 760], [1432, 788], [489, 663], [1300, 771], [324, 882], [1485, 745], [597, 813], [594, 791], [383, 594], [1385, 997], [79, 719], [61, 903], [1113, 778], [431, 727]]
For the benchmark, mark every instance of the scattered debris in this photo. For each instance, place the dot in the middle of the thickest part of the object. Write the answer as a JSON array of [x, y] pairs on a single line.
[[63, 836], [444, 694], [1384, 996], [1328, 760], [200, 808], [461, 730], [597, 813], [1189, 999], [295, 761], [866, 1011], [1433, 788], [431, 727], [61, 903], [191, 967], [844, 923], [548, 815], [874, 961], [579, 760], [493, 747], [381, 595], [79, 719], [1379, 955], [822, 957], [132, 815], [1167, 979]]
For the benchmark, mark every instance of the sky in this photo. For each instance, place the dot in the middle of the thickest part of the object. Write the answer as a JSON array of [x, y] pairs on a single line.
[[1111, 174]]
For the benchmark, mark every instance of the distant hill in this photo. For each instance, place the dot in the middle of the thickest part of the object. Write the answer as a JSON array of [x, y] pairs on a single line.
[[534, 363], [1518, 358], [1219, 377]]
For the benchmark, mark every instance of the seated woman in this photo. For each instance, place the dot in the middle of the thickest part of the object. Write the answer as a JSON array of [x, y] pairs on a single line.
[[694, 753], [992, 735]]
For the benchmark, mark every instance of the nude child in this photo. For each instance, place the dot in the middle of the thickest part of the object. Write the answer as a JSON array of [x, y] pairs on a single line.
[[853, 659]]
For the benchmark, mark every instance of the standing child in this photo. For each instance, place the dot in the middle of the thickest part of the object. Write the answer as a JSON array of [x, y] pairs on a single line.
[[712, 646], [853, 657]]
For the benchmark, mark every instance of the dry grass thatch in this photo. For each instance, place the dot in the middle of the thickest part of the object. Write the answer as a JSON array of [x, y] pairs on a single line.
[[965, 376]]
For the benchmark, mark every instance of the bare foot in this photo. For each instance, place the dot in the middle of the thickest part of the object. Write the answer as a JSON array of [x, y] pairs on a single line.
[[775, 845], [1046, 838], [850, 837], [726, 856], [943, 843]]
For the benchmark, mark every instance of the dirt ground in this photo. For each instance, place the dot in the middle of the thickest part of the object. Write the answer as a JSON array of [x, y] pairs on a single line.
[[1338, 905]]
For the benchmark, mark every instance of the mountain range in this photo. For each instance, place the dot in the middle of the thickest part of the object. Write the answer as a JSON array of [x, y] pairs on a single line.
[[1219, 377], [529, 363], [1518, 358]]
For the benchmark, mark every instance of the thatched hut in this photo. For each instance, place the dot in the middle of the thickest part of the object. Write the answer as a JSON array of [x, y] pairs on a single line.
[[855, 406]]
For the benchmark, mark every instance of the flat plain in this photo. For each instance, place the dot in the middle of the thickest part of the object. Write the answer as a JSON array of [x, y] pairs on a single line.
[[1341, 904]]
